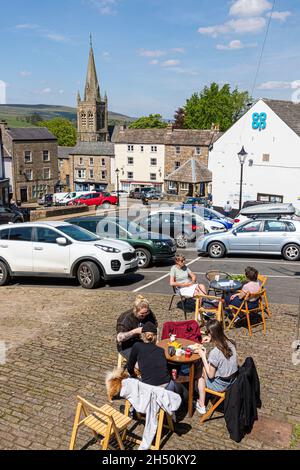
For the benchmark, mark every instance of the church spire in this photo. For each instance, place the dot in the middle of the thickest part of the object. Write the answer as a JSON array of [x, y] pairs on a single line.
[[92, 89]]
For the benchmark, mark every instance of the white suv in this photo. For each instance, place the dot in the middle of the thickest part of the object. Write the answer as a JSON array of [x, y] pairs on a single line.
[[59, 249]]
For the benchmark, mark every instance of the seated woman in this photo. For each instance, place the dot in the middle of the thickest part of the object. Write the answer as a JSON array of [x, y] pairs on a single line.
[[184, 280], [220, 370], [252, 287], [150, 360]]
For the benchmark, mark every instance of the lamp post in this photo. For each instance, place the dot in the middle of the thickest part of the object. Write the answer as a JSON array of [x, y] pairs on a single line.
[[118, 196], [242, 158]]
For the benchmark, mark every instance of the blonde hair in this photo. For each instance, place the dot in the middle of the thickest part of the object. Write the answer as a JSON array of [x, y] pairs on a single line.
[[139, 303], [179, 257], [149, 337], [113, 382]]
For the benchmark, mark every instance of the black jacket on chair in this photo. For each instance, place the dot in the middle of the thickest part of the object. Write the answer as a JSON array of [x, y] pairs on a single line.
[[242, 400]]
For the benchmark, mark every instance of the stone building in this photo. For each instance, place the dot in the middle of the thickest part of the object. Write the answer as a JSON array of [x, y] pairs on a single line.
[[4, 182], [30, 158], [92, 111]]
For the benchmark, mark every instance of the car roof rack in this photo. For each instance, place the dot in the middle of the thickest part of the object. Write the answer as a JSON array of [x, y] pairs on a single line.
[[268, 216]]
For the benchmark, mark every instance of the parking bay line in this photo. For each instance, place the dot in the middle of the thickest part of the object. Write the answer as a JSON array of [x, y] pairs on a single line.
[[196, 272], [162, 277]]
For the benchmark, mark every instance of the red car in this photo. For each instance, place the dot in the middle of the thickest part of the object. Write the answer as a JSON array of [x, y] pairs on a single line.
[[98, 199]]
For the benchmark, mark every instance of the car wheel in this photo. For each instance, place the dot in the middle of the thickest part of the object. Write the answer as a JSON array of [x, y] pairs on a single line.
[[88, 275], [181, 240], [106, 205], [216, 250], [291, 252], [144, 257], [4, 274]]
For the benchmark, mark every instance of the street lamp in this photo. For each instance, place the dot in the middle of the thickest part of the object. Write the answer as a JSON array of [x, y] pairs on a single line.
[[118, 196], [242, 158]]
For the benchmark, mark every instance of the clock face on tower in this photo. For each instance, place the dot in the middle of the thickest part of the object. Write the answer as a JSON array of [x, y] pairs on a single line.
[[259, 121]]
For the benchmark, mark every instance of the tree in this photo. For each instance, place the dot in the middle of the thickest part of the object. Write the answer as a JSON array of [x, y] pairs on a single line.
[[179, 118], [215, 105], [151, 121], [63, 129]]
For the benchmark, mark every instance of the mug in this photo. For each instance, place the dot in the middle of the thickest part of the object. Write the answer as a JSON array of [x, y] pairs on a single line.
[[178, 352], [172, 338]]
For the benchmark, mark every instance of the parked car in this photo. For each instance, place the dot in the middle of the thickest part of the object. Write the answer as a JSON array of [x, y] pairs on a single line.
[[265, 210], [208, 214], [46, 200], [183, 226], [261, 236], [63, 201], [137, 193], [121, 192], [150, 247], [59, 249], [200, 201], [98, 199], [10, 215], [152, 194]]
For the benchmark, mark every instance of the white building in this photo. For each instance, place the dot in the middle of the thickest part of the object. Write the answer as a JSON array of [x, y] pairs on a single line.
[[140, 157], [270, 134]]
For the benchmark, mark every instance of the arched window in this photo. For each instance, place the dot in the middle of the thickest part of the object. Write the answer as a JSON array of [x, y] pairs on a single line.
[[91, 118], [83, 119]]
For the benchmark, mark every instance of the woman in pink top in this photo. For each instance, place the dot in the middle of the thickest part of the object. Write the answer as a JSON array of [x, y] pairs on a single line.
[[252, 287]]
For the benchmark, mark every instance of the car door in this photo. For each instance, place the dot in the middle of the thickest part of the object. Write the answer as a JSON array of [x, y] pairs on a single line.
[[273, 236], [48, 256], [6, 215], [17, 249], [246, 238]]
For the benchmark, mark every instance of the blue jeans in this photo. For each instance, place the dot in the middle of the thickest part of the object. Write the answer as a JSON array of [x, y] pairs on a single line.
[[237, 302]]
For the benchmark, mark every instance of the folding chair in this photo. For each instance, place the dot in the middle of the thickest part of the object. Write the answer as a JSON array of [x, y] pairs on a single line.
[[263, 280], [160, 426], [220, 397], [104, 422], [211, 276], [244, 309], [217, 310], [182, 299]]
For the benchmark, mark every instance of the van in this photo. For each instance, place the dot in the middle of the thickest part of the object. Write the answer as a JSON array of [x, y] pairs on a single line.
[[72, 195]]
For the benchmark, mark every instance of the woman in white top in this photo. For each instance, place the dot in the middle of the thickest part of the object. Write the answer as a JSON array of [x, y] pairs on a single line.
[[184, 280]]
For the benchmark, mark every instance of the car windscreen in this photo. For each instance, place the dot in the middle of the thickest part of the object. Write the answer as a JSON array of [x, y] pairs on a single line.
[[77, 233]]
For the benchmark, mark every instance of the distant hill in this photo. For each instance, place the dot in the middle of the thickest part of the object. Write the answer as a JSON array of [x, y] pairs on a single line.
[[15, 114]]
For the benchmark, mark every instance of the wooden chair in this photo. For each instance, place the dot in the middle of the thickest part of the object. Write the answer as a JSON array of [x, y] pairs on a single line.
[[121, 361], [244, 309], [219, 398], [104, 422], [217, 310], [211, 276], [263, 280], [160, 426], [182, 300]]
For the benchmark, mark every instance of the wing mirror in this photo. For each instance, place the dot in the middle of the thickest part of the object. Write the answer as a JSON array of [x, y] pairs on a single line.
[[234, 232], [61, 241]]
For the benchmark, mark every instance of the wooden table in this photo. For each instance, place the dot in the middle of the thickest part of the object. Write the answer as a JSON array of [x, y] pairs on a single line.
[[190, 361], [225, 289]]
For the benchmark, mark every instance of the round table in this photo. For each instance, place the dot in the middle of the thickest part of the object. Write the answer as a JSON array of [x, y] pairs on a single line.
[[224, 286], [190, 361]]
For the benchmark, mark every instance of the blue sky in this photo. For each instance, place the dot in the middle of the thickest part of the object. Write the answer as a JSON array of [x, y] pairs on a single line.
[[151, 55]]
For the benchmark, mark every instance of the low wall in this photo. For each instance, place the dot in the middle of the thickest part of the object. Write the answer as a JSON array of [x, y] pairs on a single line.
[[56, 212]]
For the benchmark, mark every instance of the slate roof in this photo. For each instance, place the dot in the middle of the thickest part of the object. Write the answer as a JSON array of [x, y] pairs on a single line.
[[138, 136], [30, 134], [64, 152], [94, 148], [191, 172], [193, 137], [288, 111]]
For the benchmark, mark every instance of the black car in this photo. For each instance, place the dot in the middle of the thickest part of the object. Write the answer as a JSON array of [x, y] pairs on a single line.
[[10, 214], [150, 247], [197, 201]]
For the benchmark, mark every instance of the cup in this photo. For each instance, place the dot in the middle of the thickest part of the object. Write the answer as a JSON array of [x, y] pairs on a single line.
[[172, 338], [217, 277], [178, 352], [171, 351]]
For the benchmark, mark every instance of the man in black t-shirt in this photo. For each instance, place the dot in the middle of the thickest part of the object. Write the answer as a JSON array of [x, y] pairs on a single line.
[[130, 324]]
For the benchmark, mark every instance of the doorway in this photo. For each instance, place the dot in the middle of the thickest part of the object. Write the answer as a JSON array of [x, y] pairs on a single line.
[[24, 197]]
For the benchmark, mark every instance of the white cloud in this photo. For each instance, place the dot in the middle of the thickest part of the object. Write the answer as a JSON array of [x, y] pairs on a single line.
[[242, 25], [25, 73], [44, 91], [56, 37], [170, 63], [234, 45], [180, 50], [105, 7], [153, 53], [280, 15], [277, 85], [153, 62], [249, 8], [27, 26], [184, 71]]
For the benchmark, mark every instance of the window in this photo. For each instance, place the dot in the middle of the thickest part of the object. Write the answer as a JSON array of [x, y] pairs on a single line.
[[198, 150], [130, 148], [130, 160], [21, 234], [46, 156], [78, 233], [153, 148], [177, 150], [29, 175], [142, 148], [279, 226], [91, 174], [83, 119], [46, 173], [91, 119], [80, 161], [46, 235], [103, 162], [273, 198], [184, 186], [153, 162], [68, 180], [177, 165], [4, 234], [91, 162], [152, 176], [130, 175], [250, 227], [81, 173], [266, 157], [28, 156], [103, 175], [89, 225]]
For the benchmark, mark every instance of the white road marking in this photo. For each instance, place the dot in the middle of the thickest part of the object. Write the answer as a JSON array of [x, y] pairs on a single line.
[[196, 272], [244, 260], [160, 278]]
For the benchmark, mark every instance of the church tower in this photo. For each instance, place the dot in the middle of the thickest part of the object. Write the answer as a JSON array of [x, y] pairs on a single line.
[[92, 111]]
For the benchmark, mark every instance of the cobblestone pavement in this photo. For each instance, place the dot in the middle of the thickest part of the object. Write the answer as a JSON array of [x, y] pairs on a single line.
[[61, 342]]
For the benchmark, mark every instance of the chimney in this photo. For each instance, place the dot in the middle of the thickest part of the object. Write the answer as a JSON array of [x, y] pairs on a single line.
[[122, 127], [170, 128]]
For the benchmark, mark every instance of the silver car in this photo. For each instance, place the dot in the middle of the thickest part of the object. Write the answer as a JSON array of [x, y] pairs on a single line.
[[258, 236]]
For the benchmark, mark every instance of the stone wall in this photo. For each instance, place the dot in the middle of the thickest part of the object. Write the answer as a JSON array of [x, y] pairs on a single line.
[[186, 153], [57, 212]]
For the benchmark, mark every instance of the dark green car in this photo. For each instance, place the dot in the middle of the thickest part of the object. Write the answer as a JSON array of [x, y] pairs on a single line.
[[150, 247]]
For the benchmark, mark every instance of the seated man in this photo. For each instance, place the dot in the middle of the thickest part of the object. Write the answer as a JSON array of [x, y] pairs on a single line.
[[130, 325]]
